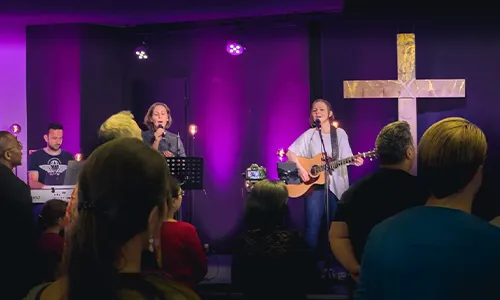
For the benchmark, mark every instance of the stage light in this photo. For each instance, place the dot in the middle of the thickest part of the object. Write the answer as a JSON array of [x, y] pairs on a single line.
[[234, 48], [281, 153], [335, 124], [142, 51], [78, 157], [193, 129], [15, 129]]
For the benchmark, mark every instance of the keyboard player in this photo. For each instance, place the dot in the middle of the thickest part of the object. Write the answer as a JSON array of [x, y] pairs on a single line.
[[47, 166]]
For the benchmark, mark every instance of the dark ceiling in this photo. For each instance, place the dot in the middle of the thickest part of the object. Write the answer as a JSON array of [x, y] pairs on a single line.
[[128, 12]]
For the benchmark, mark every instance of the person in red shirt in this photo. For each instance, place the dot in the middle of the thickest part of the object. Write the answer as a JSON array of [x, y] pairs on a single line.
[[182, 254], [51, 243]]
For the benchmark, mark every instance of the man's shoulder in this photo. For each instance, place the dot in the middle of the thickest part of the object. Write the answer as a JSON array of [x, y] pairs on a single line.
[[396, 220], [359, 188], [67, 154], [38, 153], [10, 183]]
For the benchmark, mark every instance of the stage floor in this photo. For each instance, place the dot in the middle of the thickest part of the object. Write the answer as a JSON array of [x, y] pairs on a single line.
[[217, 283]]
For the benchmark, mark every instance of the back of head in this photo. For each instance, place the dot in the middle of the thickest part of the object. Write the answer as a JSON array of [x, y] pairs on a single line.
[[52, 213], [394, 142], [450, 154], [266, 205], [119, 125], [122, 184], [5, 137]]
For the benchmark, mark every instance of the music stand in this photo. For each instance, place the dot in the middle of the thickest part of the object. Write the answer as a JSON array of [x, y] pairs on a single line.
[[188, 171]]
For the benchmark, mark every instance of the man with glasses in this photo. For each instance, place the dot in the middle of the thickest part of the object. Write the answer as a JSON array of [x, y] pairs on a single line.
[[16, 220]]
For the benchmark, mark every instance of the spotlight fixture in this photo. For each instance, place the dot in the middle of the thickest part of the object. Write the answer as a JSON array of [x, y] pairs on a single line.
[[142, 51], [235, 48]]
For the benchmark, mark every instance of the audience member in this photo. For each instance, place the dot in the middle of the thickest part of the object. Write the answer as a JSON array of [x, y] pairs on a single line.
[[376, 197], [118, 125], [269, 261], [182, 254], [495, 221], [440, 250], [51, 242], [17, 222], [113, 228]]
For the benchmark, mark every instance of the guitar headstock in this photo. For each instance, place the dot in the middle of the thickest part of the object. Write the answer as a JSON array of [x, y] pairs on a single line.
[[372, 154]]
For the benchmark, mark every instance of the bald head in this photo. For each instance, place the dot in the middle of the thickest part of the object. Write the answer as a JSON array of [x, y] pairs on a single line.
[[10, 150], [5, 140]]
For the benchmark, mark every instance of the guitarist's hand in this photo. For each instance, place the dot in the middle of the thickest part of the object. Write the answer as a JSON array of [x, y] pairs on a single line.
[[303, 175]]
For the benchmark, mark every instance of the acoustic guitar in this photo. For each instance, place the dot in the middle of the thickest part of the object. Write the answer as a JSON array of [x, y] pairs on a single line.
[[316, 167]]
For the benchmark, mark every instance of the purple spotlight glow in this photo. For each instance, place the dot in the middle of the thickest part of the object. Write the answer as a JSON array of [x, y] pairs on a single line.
[[234, 48]]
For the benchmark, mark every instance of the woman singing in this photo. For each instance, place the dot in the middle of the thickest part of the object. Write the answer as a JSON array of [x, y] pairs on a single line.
[[158, 120], [309, 145]]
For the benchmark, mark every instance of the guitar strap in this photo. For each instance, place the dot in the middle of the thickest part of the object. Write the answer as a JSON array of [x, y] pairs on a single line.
[[335, 144]]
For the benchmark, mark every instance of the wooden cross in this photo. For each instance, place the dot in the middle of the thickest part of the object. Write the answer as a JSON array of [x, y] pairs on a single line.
[[406, 88]]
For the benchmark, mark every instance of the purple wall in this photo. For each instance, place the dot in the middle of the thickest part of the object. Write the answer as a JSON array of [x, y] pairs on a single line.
[[13, 83], [101, 79], [246, 107], [53, 83]]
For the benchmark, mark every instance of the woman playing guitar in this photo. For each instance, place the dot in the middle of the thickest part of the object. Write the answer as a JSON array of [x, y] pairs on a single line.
[[309, 145]]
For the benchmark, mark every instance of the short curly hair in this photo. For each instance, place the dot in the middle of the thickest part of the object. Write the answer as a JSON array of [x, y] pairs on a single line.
[[119, 125], [392, 142]]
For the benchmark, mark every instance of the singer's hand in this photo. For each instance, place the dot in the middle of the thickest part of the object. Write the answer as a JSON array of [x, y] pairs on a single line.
[[303, 175], [159, 134], [168, 154]]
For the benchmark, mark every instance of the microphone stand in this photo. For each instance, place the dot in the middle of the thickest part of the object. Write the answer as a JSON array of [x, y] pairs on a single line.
[[328, 269], [178, 149]]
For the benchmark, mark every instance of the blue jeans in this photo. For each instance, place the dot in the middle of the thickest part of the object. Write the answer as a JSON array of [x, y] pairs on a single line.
[[315, 215]]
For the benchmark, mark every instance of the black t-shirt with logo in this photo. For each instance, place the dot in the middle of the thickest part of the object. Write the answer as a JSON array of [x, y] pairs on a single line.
[[51, 168]]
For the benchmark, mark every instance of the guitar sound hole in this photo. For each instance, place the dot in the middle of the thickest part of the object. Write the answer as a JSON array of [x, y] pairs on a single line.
[[315, 171]]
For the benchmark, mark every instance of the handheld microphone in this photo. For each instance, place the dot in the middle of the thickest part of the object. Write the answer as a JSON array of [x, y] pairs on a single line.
[[161, 126], [317, 123]]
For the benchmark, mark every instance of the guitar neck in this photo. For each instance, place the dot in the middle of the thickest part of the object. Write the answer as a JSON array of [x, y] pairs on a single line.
[[341, 162], [337, 163]]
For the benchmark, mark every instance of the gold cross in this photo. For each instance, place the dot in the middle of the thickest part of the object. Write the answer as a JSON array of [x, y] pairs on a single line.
[[406, 88]]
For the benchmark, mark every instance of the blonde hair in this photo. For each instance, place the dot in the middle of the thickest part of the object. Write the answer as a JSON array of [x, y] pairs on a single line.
[[329, 108], [148, 119], [118, 125], [449, 155]]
